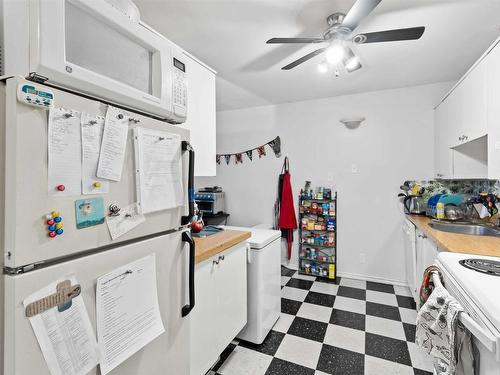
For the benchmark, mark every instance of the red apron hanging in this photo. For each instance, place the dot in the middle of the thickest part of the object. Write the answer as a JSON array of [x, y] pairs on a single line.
[[287, 221]]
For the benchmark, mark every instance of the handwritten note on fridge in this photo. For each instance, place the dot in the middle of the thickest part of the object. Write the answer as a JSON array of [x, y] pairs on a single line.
[[113, 146], [127, 219], [92, 129], [64, 152], [158, 166], [66, 338], [128, 314]]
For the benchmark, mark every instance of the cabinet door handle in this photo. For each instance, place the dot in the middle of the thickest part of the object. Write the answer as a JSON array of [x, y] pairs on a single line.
[[439, 175], [422, 236], [222, 257]]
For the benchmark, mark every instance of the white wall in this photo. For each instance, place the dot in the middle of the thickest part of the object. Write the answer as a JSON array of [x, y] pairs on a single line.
[[393, 144]]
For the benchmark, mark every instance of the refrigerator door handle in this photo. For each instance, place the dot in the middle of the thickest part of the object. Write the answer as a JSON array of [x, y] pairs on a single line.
[[186, 146], [186, 309]]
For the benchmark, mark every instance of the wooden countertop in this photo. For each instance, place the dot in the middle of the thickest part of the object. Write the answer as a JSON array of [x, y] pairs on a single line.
[[207, 247], [458, 243]]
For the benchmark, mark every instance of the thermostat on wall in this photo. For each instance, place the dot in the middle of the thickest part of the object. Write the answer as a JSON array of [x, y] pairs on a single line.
[[31, 94]]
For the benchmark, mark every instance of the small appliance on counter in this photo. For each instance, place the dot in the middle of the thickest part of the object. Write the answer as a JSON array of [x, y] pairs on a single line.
[[210, 200], [412, 199]]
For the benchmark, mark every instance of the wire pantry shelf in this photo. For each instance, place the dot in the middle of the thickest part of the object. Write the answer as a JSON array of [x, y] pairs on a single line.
[[320, 257]]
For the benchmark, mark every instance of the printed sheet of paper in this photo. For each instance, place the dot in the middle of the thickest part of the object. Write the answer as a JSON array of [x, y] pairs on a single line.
[[158, 162], [128, 218], [113, 146], [64, 152], [66, 338], [92, 129], [128, 314]]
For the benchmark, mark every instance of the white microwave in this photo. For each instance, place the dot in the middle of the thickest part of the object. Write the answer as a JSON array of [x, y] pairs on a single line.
[[91, 47]]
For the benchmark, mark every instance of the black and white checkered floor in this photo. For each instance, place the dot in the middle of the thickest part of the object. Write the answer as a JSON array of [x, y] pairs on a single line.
[[347, 327]]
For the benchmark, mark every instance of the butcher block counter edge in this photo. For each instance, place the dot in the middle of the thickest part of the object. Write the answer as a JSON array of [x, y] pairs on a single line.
[[458, 243], [207, 247]]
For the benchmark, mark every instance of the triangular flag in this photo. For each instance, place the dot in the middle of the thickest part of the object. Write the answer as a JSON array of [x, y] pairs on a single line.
[[276, 146], [217, 159], [228, 158], [249, 154], [238, 158], [261, 151]]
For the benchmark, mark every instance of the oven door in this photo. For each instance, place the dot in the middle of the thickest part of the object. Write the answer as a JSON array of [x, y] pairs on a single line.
[[91, 47], [486, 338]]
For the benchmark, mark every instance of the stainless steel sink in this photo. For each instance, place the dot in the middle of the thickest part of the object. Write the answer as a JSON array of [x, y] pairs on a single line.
[[466, 228]]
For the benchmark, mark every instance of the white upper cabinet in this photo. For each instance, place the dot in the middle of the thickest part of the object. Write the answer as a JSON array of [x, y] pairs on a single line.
[[493, 118], [201, 116], [467, 135], [471, 98], [443, 119]]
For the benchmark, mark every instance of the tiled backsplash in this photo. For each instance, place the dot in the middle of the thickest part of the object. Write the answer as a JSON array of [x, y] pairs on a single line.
[[468, 187]]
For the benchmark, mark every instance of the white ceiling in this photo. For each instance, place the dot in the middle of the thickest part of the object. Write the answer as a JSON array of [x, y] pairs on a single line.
[[230, 36]]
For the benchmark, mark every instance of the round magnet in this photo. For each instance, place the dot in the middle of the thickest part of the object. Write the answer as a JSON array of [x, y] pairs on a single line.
[[52, 234], [58, 219], [50, 222], [54, 214], [61, 187], [52, 228], [59, 225], [59, 231]]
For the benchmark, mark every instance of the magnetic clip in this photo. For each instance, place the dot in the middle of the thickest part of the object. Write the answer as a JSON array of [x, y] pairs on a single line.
[[114, 210], [134, 120], [68, 115], [63, 299]]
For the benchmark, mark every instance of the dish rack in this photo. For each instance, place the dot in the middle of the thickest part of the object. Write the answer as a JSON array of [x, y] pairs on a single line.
[[318, 237]]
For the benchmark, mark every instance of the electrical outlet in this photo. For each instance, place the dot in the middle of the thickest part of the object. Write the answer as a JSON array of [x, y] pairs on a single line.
[[354, 168], [362, 258]]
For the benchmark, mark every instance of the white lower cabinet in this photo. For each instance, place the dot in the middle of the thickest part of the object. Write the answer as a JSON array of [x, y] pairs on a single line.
[[220, 310], [427, 252]]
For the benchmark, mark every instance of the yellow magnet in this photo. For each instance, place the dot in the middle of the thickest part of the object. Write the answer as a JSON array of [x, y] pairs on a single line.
[[55, 213], [59, 225], [97, 184]]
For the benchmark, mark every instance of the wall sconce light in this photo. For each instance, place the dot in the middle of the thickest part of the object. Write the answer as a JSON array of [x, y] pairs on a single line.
[[352, 123]]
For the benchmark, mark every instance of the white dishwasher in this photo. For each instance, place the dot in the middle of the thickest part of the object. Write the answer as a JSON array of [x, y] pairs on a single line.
[[264, 283], [410, 249]]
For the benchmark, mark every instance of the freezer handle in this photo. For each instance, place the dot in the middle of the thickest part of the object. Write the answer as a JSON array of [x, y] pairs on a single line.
[[186, 237], [186, 146]]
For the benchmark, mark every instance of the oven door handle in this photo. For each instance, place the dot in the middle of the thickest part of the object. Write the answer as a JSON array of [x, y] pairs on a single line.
[[486, 338]]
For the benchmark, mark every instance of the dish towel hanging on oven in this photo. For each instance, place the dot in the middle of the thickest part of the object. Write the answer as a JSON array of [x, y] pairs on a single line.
[[287, 220], [442, 336]]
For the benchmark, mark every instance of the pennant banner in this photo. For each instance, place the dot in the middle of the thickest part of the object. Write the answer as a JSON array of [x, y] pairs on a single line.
[[275, 145]]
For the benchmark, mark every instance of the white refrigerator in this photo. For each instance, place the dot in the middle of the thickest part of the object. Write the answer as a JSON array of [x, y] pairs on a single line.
[[33, 260]]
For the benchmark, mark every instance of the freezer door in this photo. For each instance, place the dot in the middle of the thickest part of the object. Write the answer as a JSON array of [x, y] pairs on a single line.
[[27, 201], [167, 354]]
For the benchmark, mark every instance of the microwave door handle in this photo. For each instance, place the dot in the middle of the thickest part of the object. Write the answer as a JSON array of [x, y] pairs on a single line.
[[186, 309], [186, 146]]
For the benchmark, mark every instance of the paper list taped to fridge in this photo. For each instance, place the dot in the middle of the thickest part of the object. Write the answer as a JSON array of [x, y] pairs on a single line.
[[92, 129], [66, 338], [113, 146], [64, 153], [128, 314]]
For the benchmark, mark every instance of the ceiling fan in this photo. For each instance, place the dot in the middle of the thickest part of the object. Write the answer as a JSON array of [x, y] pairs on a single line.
[[340, 37]]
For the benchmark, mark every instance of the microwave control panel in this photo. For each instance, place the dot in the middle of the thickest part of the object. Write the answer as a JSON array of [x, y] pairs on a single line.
[[34, 95], [179, 84]]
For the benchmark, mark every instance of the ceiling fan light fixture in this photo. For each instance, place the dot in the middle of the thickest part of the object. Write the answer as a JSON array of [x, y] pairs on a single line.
[[352, 64], [335, 53], [323, 67]]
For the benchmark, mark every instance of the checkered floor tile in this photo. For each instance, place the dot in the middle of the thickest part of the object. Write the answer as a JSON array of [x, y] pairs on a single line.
[[346, 326]]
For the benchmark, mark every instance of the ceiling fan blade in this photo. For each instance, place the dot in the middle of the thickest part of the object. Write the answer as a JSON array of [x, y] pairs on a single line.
[[358, 12], [303, 59], [411, 33], [294, 40], [351, 61]]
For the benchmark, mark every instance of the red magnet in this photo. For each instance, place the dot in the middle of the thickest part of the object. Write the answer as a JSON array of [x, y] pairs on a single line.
[[50, 222], [52, 234], [61, 187]]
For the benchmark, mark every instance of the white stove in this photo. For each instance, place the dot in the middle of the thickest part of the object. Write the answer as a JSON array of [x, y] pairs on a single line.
[[475, 282]]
